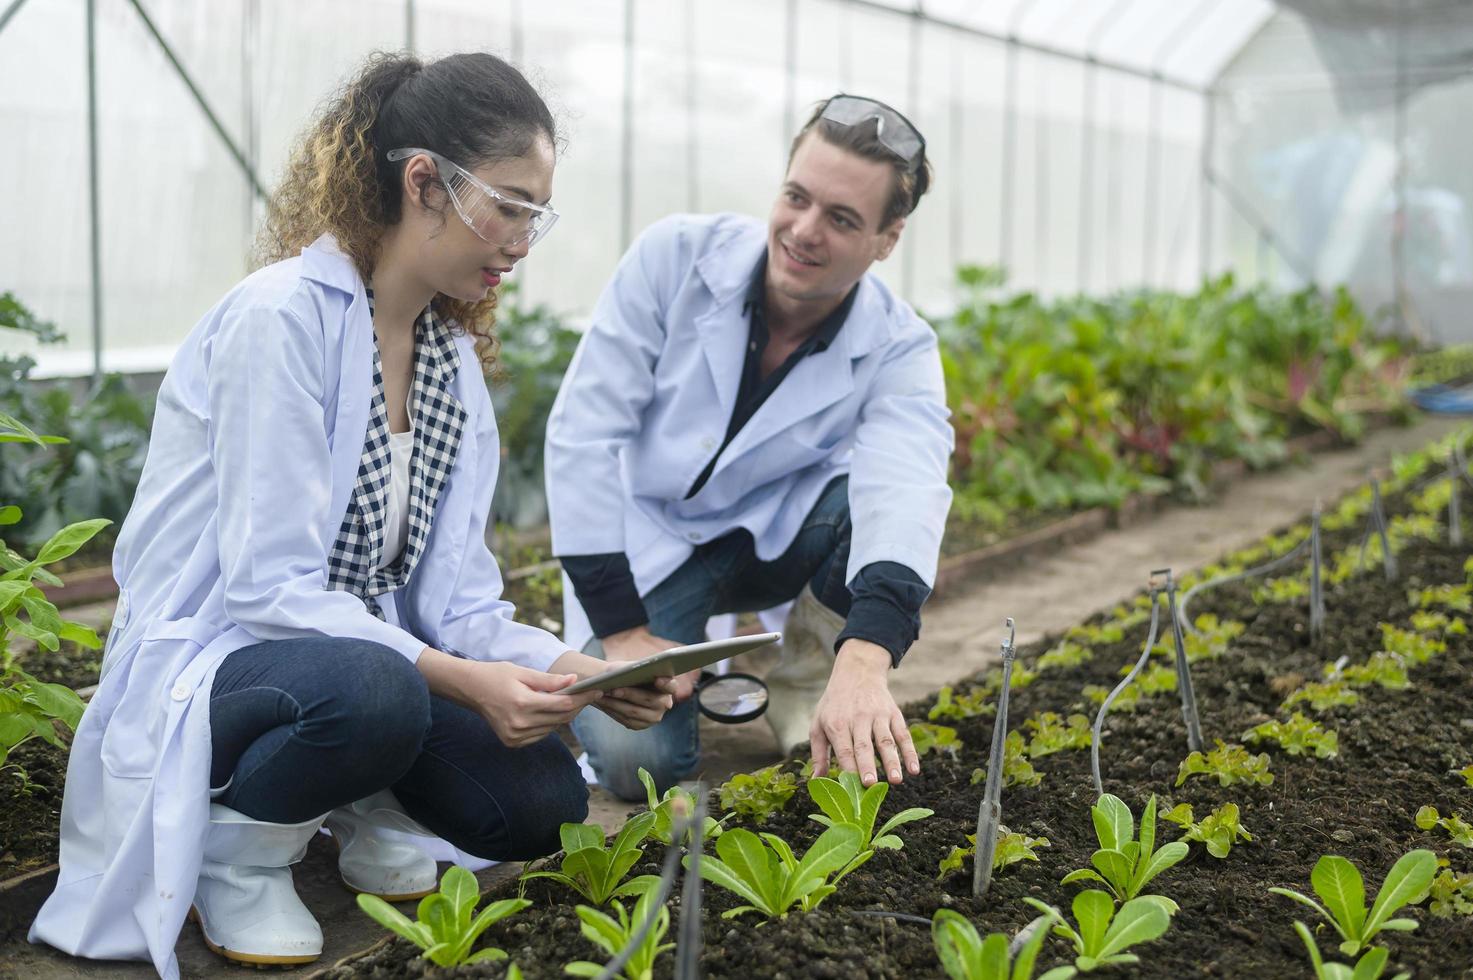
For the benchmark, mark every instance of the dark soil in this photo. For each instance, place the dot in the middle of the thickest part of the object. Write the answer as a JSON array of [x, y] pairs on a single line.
[[1395, 752]]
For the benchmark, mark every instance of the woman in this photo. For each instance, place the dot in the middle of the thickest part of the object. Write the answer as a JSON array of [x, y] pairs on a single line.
[[308, 627]]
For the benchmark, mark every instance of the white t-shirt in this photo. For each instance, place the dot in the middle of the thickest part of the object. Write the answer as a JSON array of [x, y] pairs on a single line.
[[396, 520]]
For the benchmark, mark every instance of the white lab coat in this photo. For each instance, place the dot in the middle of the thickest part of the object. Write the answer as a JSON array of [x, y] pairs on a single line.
[[648, 397], [255, 449]]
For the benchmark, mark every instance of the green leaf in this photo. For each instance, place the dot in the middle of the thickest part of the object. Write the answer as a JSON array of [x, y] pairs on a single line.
[[577, 836], [390, 918], [956, 942], [1028, 952], [11, 592], [720, 874], [744, 854], [900, 819], [489, 955], [1169, 854], [64, 543], [1093, 911], [83, 636], [830, 798], [1113, 824], [1408, 882], [1338, 884], [1371, 965], [9, 515], [43, 638], [1138, 921], [58, 701]]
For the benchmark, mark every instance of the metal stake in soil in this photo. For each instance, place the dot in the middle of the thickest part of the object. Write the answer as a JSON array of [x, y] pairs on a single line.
[[688, 942], [1183, 670], [1455, 468], [1094, 743], [1316, 586], [989, 814], [1378, 524], [668, 870]]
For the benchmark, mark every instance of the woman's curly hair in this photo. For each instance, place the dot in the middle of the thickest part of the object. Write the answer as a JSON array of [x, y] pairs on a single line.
[[471, 108]]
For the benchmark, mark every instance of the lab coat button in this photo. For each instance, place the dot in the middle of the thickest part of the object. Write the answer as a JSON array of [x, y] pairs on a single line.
[[180, 692]]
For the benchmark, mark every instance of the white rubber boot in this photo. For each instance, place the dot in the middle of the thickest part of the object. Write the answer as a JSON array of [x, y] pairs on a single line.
[[374, 864], [244, 900], [797, 682]]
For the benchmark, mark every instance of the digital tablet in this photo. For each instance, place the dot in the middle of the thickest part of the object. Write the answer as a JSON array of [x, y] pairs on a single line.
[[676, 660]]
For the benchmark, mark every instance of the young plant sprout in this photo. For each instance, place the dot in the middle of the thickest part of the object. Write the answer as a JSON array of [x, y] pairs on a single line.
[[1426, 622], [1094, 749], [1123, 863], [1457, 828], [615, 935], [1383, 669], [1451, 894], [846, 800], [1467, 773], [1281, 561], [1323, 695], [1371, 966], [1411, 647], [758, 795], [1016, 769], [1378, 525], [1297, 736], [989, 811], [1104, 934], [597, 872], [1339, 885], [1229, 763], [667, 809], [1011, 848], [959, 707], [1218, 831], [929, 738], [1316, 583], [445, 930], [1066, 654], [764, 872], [1054, 734], [965, 955], [1457, 597]]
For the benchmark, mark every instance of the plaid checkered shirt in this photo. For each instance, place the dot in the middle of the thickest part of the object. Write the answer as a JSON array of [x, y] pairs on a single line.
[[439, 420]]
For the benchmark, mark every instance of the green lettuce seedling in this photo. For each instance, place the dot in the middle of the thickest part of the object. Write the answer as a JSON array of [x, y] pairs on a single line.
[[845, 800], [1103, 934], [1123, 863], [1458, 598], [613, 935], [1339, 885], [1412, 648], [1458, 829], [1016, 769], [445, 930], [1209, 641], [1063, 656], [1054, 734], [965, 955], [1323, 695], [595, 871], [1426, 622], [1467, 773], [1451, 894], [1096, 635], [758, 795], [1127, 700], [1230, 764], [1281, 590], [1021, 677], [1384, 669], [1219, 830], [1010, 849], [959, 707], [763, 871], [1369, 967], [934, 738], [1297, 736], [667, 808]]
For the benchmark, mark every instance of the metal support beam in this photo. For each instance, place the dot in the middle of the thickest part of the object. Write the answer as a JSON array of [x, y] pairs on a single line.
[[93, 202], [1266, 236], [1209, 143], [1009, 138], [199, 99], [692, 116], [790, 73], [955, 212], [626, 151], [912, 100], [1087, 136], [409, 26]]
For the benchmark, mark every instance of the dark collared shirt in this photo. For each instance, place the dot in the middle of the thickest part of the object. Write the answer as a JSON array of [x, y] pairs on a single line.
[[887, 596]]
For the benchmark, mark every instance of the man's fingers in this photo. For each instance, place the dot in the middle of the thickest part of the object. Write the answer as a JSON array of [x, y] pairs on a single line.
[[864, 751], [843, 743], [889, 750], [644, 697], [818, 744], [539, 680], [901, 731]]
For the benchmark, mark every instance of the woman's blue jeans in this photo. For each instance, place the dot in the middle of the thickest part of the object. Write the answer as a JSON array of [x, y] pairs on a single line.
[[722, 576], [302, 726]]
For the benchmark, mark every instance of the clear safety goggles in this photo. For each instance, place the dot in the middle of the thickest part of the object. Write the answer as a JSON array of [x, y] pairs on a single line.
[[895, 132], [495, 218]]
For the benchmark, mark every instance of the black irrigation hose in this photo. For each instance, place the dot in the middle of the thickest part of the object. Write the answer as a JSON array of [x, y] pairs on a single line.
[[989, 811]]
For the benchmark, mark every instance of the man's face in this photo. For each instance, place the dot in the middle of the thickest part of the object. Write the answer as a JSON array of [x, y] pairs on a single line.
[[824, 231]]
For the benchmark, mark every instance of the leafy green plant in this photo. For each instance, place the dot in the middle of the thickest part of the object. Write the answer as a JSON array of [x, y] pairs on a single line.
[[1218, 831], [1414, 648], [1103, 934], [1010, 849], [1297, 736], [1451, 894], [764, 872], [1383, 669], [1339, 885], [845, 799], [1229, 763], [597, 872], [1281, 590], [1323, 695], [1467, 773], [1426, 622], [1127, 700], [1096, 634], [758, 795], [1153, 681], [1369, 967], [1458, 598], [612, 935], [1054, 734], [1016, 769], [1212, 637], [1124, 863], [929, 738], [965, 955], [668, 808], [1064, 656], [959, 707], [444, 929], [1457, 828]]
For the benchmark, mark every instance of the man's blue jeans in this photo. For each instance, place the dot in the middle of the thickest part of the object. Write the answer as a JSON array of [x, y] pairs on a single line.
[[302, 726], [722, 576]]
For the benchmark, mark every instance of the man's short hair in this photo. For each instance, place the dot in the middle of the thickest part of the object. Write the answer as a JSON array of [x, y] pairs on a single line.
[[908, 183]]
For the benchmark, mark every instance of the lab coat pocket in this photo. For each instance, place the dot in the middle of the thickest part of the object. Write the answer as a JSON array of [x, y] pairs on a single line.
[[133, 731]]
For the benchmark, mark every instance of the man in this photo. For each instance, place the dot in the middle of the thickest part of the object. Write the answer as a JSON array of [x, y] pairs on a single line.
[[753, 417]]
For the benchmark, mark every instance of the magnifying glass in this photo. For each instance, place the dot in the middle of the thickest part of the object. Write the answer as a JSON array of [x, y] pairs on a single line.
[[731, 699]]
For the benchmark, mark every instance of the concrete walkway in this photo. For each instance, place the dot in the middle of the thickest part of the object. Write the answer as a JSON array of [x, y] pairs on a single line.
[[961, 635]]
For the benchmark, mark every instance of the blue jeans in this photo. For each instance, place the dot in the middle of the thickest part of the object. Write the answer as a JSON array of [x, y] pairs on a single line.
[[722, 576], [302, 726]]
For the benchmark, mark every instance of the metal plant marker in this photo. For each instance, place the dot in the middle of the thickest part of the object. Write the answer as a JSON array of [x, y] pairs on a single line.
[[989, 814], [1094, 743], [1456, 468], [1316, 585], [1377, 523], [1183, 669], [688, 942]]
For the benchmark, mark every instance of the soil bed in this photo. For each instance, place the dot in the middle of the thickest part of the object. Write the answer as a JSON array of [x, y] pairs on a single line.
[[1396, 750]]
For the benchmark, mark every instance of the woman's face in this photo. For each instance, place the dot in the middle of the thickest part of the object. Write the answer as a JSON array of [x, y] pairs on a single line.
[[450, 257]]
